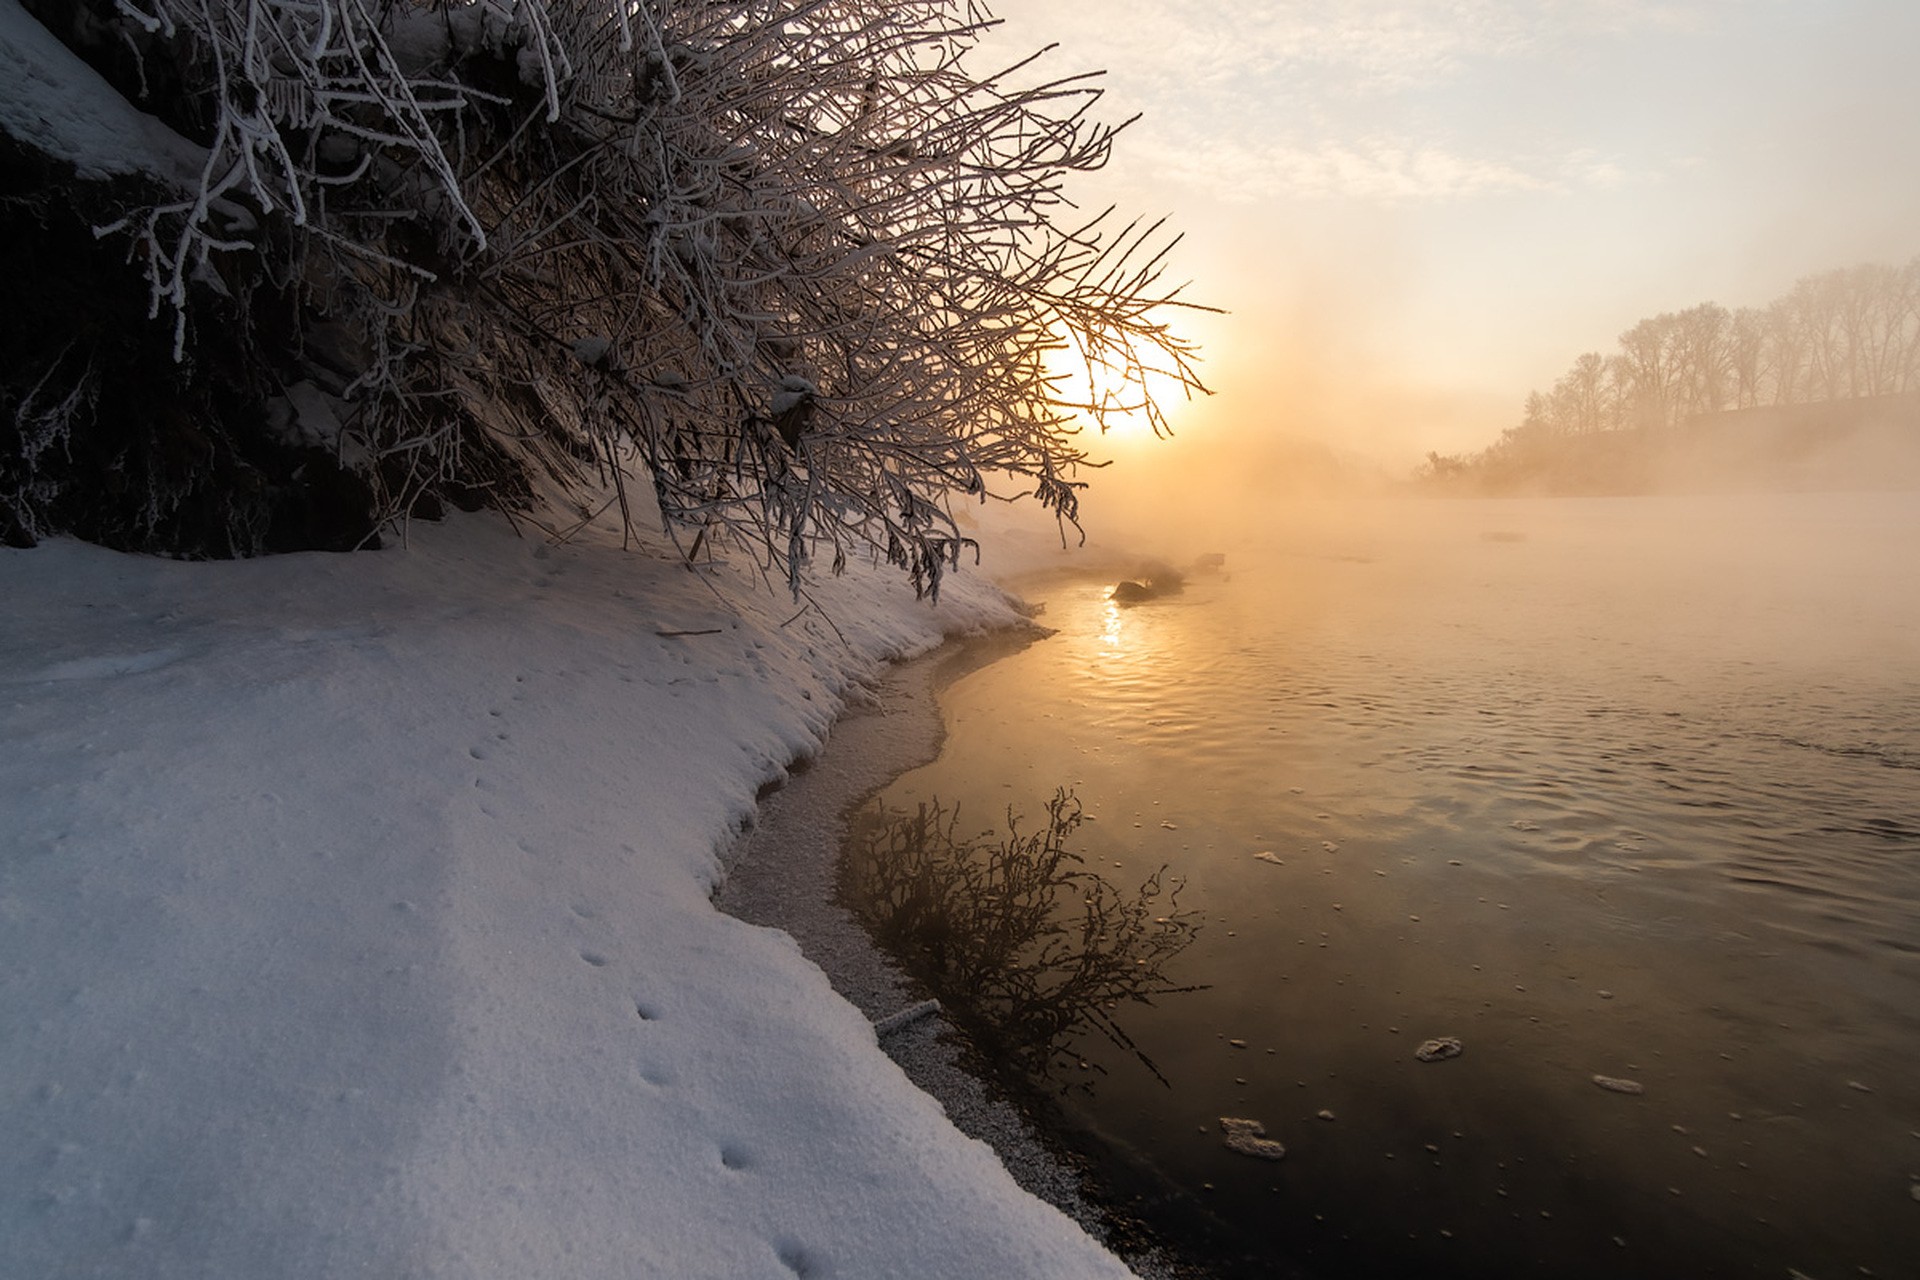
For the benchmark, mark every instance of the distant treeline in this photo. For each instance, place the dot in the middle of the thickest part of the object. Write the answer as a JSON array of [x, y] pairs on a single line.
[[1837, 355]]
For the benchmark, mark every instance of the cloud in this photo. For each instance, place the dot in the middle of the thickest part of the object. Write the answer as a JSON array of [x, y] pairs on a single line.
[[1357, 47], [1381, 170], [1341, 98]]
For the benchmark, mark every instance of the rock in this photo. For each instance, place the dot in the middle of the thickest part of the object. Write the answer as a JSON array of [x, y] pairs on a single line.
[[1439, 1050], [1249, 1138]]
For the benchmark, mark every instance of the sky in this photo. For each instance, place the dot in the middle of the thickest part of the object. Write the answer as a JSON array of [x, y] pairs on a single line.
[[1417, 212]]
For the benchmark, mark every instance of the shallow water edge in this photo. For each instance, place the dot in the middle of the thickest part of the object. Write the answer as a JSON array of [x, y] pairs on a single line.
[[783, 872]]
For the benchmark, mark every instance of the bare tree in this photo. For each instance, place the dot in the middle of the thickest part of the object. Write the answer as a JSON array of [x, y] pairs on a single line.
[[1583, 395], [1648, 357], [797, 265], [1747, 357], [1703, 365], [1839, 335]]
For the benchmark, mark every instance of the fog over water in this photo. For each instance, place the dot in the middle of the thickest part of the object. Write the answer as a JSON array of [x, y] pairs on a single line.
[[1602, 787]]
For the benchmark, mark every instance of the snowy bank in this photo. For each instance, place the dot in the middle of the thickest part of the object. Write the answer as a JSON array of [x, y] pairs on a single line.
[[53, 101], [355, 920]]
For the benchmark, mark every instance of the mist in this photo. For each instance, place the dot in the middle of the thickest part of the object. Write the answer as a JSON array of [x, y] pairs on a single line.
[[1614, 790], [1581, 734]]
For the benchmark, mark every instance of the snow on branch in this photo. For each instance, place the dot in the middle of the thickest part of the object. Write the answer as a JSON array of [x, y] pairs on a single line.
[[796, 262]]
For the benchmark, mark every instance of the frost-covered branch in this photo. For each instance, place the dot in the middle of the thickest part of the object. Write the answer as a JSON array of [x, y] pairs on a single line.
[[800, 263]]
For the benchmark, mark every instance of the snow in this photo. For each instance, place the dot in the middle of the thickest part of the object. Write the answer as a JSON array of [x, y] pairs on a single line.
[[355, 921], [52, 100], [794, 390]]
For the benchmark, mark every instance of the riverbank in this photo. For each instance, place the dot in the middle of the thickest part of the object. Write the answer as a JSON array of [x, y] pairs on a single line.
[[784, 874], [357, 920]]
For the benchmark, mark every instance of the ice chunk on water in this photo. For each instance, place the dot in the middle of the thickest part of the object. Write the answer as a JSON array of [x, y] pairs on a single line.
[[1249, 1138], [1614, 1084]]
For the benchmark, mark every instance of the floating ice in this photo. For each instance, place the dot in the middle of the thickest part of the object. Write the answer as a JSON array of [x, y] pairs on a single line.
[[1249, 1138], [1614, 1084], [1440, 1049], [897, 1022]]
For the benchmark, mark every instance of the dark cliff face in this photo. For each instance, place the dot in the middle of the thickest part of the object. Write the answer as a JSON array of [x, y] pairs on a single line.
[[104, 434], [247, 431]]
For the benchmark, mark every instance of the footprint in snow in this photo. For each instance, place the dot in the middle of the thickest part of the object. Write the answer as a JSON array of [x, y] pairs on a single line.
[[107, 666], [798, 1259]]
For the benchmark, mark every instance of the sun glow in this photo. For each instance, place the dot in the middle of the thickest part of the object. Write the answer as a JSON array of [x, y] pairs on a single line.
[[1116, 395]]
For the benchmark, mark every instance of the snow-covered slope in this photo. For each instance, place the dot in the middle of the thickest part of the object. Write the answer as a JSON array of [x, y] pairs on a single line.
[[354, 921], [52, 100]]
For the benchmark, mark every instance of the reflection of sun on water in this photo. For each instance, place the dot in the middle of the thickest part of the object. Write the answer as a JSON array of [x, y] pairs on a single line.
[[1110, 630]]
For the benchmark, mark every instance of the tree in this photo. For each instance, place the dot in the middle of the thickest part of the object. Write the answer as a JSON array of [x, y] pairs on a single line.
[[798, 266], [1840, 335], [1703, 365], [1747, 356], [1648, 356], [1583, 395]]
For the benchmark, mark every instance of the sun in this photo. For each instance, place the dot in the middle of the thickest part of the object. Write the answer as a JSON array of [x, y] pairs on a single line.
[[1115, 394]]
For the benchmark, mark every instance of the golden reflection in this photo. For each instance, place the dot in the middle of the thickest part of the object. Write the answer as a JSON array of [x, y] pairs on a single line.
[[1110, 629]]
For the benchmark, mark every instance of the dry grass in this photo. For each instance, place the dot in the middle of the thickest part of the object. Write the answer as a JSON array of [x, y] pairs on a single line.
[[1026, 945]]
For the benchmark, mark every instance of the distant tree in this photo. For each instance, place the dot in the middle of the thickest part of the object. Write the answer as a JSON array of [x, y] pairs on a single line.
[[1582, 396], [799, 268], [1747, 356], [1789, 346], [1842, 334], [1649, 356], [1701, 361]]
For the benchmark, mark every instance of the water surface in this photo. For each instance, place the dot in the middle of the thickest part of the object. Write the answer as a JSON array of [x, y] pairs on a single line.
[[1626, 788]]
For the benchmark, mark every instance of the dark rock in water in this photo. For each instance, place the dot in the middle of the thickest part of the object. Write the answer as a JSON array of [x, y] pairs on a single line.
[[1151, 581]]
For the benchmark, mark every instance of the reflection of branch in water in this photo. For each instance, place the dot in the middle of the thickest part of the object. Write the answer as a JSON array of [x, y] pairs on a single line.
[[1014, 934]]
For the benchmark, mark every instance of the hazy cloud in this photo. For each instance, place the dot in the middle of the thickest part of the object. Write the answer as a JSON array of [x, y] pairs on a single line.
[[1332, 98], [1354, 47], [1379, 169]]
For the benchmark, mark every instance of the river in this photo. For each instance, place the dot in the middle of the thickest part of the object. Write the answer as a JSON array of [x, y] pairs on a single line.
[[1618, 788]]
